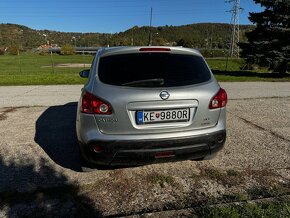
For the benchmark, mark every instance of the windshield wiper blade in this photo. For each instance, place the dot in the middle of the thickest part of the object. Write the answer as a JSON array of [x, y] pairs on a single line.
[[158, 81]]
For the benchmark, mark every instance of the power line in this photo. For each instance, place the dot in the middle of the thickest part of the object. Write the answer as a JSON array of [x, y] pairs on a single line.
[[234, 50]]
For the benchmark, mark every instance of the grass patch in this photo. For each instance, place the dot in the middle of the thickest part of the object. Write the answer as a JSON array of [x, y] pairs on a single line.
[[220, 64], [34, 69], [235, 74], [279, 208], [249, 76]]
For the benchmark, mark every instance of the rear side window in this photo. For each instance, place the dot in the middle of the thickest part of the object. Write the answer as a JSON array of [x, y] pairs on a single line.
[[153, 70]]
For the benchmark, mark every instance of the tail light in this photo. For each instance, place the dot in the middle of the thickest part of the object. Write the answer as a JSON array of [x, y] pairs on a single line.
[[219, 100], [93, 105]]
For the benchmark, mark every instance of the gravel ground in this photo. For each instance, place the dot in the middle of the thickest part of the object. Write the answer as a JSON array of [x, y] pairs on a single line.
[[38, 151]]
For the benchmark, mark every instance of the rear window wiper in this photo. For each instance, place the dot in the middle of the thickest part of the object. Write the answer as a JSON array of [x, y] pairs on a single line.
[[146, 82]]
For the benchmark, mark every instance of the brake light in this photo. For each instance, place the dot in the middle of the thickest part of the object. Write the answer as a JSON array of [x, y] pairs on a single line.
[[93, 105], [155, 49], [219, 100]]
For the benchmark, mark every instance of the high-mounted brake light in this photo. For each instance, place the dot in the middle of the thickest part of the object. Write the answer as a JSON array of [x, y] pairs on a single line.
[[93, 105], [219, 100], [155, 49]]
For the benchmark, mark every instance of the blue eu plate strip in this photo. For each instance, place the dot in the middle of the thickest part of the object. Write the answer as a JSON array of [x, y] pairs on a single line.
[[140, 117]]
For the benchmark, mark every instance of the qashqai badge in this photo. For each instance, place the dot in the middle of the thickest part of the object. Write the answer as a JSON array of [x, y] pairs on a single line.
[[164, 95]]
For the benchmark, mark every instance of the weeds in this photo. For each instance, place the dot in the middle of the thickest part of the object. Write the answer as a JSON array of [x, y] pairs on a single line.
[[235, 197], [162, 180], [272, 209], [265, 192], [232, 172], [213, 173]]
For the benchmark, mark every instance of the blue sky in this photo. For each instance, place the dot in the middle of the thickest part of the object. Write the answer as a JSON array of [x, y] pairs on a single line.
[[110, 16]]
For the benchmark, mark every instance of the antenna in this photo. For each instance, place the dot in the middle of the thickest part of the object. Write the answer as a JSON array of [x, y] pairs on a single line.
[[150, 30], [234, 50]]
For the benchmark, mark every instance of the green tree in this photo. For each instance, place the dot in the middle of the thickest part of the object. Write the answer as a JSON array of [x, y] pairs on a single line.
[[67, 50], [159, 41], [269, 43], [185, 42]]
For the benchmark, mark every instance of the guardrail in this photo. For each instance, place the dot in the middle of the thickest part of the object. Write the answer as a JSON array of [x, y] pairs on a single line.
[[79, 50]]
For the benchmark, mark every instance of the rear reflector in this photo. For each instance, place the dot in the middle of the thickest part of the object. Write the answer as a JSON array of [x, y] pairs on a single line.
[[219, 100], [164, 154], [221, 138], [155, 49], [96, 148]]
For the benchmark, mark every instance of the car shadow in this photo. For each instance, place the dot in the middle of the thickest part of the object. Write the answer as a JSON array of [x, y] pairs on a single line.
[[56, 135], [36, 189]]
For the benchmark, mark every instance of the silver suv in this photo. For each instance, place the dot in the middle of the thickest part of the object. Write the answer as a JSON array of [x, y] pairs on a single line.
[[150, 104]]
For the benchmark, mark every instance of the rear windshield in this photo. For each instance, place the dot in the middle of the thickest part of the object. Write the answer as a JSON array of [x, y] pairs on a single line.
[[153, 70]]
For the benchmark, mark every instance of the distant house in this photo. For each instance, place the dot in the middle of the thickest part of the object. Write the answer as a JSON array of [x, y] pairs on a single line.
[[43, 47], [47, 48]]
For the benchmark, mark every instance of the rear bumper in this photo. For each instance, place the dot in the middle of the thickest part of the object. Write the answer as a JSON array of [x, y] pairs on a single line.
[[138, 152]]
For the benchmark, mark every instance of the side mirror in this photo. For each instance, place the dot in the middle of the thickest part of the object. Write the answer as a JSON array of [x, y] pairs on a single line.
[[84, 73]]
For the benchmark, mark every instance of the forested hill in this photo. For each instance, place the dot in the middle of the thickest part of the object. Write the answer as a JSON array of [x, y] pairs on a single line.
[[202, 35]]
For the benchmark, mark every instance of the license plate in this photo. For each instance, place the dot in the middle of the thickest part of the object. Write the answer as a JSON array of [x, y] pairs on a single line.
[[162, 116]]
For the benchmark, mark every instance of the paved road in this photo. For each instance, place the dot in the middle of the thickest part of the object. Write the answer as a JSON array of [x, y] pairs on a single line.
[[14, 96]]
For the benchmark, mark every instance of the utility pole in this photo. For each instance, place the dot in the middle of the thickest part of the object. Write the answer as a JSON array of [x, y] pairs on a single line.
[[132, 38], [234, 50], [150, 30]]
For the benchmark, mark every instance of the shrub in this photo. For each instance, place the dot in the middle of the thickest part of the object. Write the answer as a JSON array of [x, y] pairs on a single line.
[[43, 52], [14, 49], [2, 51], [67, 50]]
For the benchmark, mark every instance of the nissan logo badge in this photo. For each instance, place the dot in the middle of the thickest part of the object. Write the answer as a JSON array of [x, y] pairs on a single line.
[[164, 95]]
